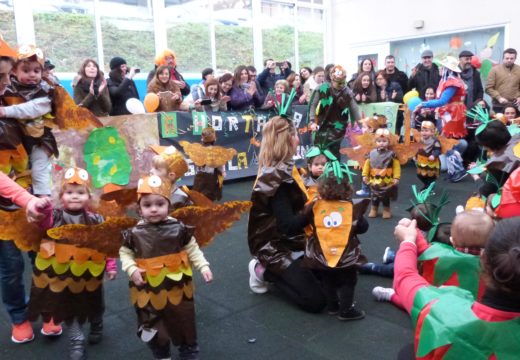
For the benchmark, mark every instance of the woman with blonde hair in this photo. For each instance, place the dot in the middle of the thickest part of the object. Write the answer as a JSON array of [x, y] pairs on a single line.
[[278, 216]]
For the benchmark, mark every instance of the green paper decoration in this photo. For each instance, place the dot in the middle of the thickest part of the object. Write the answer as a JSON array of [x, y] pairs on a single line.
[[480, 114], [493, 40], [452, 309], [338, 125], [324, 87], [485, 68], [326, 102], [450, 262], [169, 127], [107, 158], [200, 121]]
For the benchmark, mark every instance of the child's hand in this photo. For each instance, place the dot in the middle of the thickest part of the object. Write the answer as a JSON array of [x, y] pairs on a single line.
[[365, 179], [2, 111], [207, 275], [111, 275], [396, 181], [431, 157], [137, 277], [313, 126]]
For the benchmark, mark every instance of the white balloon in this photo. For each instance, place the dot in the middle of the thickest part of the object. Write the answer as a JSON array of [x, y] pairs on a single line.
[[134, 106]]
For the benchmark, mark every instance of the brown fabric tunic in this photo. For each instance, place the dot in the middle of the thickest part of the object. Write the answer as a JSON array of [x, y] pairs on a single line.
[[165, 307], [272, 248], [60, 289]]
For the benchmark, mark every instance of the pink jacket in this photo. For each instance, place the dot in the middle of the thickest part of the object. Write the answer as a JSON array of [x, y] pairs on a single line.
[[11, 190]]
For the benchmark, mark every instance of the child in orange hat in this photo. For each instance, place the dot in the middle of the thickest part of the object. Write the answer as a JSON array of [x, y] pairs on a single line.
[[162, 295], [27, 86]]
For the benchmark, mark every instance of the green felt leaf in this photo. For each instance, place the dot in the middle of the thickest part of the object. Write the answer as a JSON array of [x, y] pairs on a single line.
[[479, 169], [107, 158], [338, 125], [324, 87]]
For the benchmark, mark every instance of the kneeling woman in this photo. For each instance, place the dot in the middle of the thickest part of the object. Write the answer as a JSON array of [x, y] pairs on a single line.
[[277, 219]]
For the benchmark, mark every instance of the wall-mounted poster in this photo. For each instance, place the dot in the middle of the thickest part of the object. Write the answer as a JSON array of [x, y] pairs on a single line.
[[372, 57]]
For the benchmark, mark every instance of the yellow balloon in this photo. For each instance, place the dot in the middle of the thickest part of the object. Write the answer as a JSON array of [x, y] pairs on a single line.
[[151, 102], [410, 94]]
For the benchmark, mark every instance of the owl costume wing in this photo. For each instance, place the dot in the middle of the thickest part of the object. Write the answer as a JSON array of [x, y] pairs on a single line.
[[105, 237], [366, 142], [68, 115], [447, 144], [212, 156], [210, 221], [14, 226]]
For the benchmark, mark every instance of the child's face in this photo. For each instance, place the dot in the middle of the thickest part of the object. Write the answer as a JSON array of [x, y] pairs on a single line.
[[382, 143], [365, 81], [164, 76], [28, 72], [317, 165], [426, 133], [163, 172], [212, 91], [5, 69], [510, 113], [75, 197], [429, 94], [154, 208], [279, 89]]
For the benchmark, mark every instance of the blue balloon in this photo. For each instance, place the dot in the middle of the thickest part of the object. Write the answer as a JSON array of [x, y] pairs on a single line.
[[413, 102]]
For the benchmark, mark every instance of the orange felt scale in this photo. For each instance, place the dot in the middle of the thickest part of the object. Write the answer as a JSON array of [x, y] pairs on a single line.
[[212, 156], [333, 220], [65, 253], [173, 262], [141, 298], [57, 285]]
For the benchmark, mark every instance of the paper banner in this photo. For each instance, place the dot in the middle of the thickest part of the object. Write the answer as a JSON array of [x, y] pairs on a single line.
[[107, 158], [388, 109], [200, 121], [169, 127]]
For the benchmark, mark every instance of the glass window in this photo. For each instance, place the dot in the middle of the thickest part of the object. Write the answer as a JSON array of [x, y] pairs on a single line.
[[128, 32], [66, 50], [187, 25], [8, 31], [233, 34], [277, 30], [310, 37], [408, 52]]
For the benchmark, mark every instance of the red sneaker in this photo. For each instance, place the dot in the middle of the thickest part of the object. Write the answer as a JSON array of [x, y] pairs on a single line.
[[51, 329], [22, 333]]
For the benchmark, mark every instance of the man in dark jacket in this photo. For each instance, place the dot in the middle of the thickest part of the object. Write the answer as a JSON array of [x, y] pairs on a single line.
[[424, 75], [394, 74], [471, 77], [121, 86]]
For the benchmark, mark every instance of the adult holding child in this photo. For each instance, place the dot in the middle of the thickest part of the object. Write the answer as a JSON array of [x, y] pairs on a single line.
[[277, 219], [91, 90], [465, 322]]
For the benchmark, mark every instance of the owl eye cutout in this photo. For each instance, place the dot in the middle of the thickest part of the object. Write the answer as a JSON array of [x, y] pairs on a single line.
[[83, 175], [154, 181], [140, 183], [327, 221], [69, 173], [39, 53], [336, 219], [25, 49]]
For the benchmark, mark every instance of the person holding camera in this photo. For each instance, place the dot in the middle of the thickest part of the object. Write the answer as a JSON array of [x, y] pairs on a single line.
[[121, 85], [170, 97], [268, 77]]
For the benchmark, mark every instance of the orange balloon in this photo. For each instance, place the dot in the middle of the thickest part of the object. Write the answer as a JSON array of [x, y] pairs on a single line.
[[151, 102]]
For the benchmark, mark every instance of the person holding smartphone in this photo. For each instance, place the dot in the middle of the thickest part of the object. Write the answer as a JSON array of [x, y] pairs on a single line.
[[121, 85], [268, 77]]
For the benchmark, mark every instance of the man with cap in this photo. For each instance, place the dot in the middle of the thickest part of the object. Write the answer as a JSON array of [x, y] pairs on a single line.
[[425, 74], [121, 86], [471, 77], [503, 82]]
